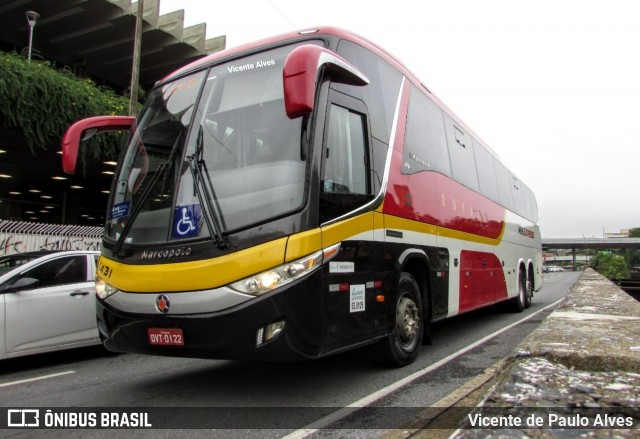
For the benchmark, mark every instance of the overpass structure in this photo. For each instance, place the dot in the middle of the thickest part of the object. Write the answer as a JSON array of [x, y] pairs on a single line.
[[575, 244], [93, 39]]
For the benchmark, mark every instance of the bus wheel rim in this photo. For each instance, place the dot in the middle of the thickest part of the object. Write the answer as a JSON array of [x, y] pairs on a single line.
[[407, 320]]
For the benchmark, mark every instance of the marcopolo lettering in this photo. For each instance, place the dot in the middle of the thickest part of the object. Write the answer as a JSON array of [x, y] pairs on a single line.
[[166, 253]]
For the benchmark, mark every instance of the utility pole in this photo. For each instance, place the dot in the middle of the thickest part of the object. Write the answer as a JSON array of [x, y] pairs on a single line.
[[135, 69]]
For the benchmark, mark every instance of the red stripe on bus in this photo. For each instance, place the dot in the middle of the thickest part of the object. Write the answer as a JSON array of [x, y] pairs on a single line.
[[433, 198]]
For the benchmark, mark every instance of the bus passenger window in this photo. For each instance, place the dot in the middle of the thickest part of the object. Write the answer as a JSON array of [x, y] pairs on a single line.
[[344, 169], [345, 181], [425, 146]]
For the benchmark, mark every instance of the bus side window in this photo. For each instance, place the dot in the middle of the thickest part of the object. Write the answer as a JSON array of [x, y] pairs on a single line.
[[346, 172], [486, 172], [425, 146], [504, 184], [463, 162]]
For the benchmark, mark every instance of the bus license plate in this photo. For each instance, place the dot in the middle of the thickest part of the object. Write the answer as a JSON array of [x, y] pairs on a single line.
[[166, 336]]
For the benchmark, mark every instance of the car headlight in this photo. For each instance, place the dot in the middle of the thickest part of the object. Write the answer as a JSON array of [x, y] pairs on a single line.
[[104, 290], [277, 277]]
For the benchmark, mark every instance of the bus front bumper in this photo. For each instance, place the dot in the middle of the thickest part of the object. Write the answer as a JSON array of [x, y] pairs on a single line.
[[240, 332]]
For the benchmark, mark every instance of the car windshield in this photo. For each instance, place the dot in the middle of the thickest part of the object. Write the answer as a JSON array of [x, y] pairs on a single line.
[[231, 162]]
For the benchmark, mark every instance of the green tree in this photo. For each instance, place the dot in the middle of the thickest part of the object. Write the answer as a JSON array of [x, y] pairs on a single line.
[[632, 255], [43, 101], [610, 265]]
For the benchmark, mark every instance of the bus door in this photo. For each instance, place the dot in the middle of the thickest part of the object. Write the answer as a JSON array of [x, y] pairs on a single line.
[[352, 278]]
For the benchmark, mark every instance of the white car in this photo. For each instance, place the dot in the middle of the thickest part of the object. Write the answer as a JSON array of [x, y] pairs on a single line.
[[47, 302]]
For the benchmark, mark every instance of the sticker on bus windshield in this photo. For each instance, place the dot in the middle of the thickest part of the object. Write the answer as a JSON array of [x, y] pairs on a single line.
[[185, 221], [120, 210]]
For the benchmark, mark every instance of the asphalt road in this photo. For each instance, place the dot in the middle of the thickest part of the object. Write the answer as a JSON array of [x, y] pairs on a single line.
[[272, 400]]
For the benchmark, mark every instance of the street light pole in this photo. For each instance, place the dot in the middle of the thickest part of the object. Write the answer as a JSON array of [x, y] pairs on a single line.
[[32, 17], [135, 70]]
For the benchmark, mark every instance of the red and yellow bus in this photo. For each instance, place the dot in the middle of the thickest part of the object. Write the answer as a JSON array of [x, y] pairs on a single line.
[[299, 197]]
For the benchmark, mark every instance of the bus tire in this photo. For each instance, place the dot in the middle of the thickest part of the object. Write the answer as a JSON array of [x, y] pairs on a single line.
[[528, 292], [518, 302], [402, 346]]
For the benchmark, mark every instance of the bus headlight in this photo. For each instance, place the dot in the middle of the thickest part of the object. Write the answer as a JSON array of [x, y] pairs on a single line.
[[104, 290], [277, 277]]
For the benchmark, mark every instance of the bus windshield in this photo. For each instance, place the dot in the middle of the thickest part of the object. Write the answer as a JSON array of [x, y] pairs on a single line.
[[212, 153]]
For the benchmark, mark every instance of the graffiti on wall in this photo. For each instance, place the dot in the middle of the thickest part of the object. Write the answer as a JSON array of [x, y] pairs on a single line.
[[11, 243]]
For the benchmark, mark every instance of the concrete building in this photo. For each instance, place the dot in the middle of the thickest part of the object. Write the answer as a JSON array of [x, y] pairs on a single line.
[[93, 38]]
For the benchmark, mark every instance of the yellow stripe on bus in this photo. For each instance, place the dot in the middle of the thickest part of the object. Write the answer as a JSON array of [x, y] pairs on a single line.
[[308, 242], [194, 275], [213, 273], [394, 222], [397, 223], [303, 244], [347, 229], [470, 237]]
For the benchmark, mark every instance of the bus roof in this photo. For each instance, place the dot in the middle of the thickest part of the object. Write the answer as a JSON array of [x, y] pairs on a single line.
[[290, 36], [321, 31]]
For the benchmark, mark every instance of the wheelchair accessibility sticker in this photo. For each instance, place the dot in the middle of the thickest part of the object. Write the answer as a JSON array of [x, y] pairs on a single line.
[[185, 221]]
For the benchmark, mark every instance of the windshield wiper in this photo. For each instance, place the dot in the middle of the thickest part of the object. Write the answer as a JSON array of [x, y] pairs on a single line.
[[206, 194], [160, 171], [138, 207]]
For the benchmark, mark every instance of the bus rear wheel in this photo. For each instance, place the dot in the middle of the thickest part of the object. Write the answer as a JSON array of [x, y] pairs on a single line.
[[402, 346], [519, 302], [529, 291]]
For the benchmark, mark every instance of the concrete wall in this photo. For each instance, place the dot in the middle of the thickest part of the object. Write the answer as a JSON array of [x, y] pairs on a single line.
[[20, 237]]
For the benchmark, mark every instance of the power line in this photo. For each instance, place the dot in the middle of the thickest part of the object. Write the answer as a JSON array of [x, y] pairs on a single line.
[[293, 25]]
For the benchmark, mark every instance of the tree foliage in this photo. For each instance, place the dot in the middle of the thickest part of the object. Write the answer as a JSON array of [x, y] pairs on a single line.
[[43, 102], [610, 265], [632, 256]]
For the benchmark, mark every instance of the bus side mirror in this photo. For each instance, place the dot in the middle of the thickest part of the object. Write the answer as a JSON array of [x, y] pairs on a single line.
[[302, 70], [86, 128]]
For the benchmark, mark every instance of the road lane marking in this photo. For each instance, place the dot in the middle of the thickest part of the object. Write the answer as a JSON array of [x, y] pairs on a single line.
[[43, 377], [385, 391]]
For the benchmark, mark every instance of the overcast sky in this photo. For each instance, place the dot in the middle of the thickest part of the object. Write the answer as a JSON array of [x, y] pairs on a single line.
[[552, 86]]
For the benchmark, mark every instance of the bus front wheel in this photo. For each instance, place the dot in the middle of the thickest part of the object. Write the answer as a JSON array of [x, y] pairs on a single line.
[[402, 346]]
